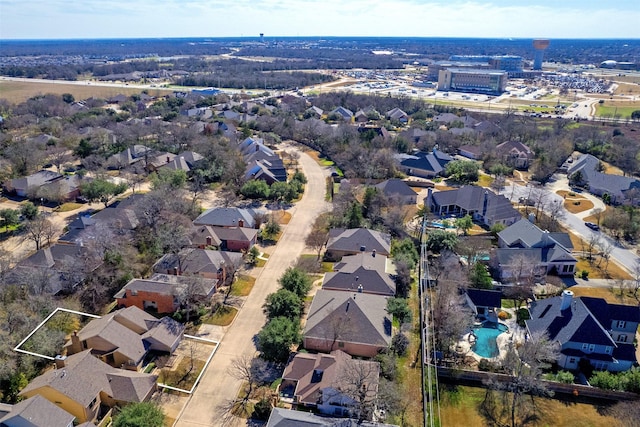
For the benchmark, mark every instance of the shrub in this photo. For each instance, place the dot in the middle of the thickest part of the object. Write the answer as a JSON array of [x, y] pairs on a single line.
[[584, 274], [503, 315], [488, 366], [521, 315], [399, 344], [565, 377]]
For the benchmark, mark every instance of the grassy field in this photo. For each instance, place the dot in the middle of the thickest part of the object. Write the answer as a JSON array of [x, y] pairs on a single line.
[[617, 108], [223, 316], [460, 407], [20, 91], [575, 203], [243, 285], [611, 295]]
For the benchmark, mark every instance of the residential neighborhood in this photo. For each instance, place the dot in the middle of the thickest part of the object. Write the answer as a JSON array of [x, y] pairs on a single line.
[[222, 267]]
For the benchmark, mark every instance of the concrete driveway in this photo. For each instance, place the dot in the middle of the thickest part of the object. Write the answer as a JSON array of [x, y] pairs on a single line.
[[216, 387]]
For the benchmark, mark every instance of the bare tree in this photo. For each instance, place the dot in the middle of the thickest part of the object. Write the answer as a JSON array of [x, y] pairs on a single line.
[[597, 212], [525, 365], [357, 380], [40, 231], [252, 371], [317, 238]]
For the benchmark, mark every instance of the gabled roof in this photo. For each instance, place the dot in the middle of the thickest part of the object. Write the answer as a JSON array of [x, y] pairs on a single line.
[[197, 261], [395, 188], [313, 372], [515, 148], [166, 284], [527, 234], [240, 234], [363, 317], [472, 198], [37, 411], [433, 161], [575, 324], [35, 180], [290, 418], [588, 166], [344, 112], [354, 239], [396, 114], [84, 376], [226, 217], [362, 272]]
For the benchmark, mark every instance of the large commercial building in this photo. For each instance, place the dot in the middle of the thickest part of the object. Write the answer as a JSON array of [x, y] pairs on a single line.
[[473, 80]]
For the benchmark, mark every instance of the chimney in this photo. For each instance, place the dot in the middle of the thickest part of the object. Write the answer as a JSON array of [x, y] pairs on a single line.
[[76, 346], [208, 240], [373, 254], [168, 159], [532, 218], [240, 223], [363, 248], [360, 288], [60, 361], [175, 271], [565, 303]]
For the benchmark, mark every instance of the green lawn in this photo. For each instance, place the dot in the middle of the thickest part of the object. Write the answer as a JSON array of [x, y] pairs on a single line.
[[603, 110], [223, 316], [243, 285]]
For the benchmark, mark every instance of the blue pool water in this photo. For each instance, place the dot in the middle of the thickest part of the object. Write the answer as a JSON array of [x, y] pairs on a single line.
[[485, 345]]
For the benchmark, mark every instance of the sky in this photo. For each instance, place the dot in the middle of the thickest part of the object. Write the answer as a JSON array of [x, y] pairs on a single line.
[[63, 19]]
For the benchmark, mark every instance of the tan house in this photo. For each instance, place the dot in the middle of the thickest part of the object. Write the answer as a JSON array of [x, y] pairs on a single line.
[[36, 412], [86, 387], [123, 338], [355, 323]]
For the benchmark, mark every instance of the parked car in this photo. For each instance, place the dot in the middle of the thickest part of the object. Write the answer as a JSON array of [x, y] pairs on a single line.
[[592, 226]]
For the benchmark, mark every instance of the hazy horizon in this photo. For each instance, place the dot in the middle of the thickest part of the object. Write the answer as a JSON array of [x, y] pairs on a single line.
[[499, 19]]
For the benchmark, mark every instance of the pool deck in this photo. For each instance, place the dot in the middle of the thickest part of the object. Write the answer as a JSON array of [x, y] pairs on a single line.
[[515, 334]]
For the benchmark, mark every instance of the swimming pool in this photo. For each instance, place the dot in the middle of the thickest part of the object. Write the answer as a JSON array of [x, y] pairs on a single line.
[[485, 345]]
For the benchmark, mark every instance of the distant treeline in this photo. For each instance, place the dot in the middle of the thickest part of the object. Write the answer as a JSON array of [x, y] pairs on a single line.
[[256, 79]]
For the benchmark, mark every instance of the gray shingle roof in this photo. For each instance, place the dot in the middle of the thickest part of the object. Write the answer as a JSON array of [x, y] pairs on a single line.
[[289, 418], [352, 240], [527, 234], [166, 284], [395, 187], [84, 376], [471, 198], [37, 412], [576, 324], [226, 217], [615, 185], [197, 261], [364, 316]]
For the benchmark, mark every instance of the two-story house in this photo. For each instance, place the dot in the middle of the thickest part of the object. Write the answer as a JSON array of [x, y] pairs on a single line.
[[526, 251], [588, 329]]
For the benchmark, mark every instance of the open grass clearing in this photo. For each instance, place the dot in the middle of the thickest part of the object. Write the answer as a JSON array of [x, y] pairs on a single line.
[[223, 316], [282, 217], [622, 109], [460, 406], [20, 91], [182, 376], [243, 285], [68, 207], [611, 295], [485, 180], [613, 271]]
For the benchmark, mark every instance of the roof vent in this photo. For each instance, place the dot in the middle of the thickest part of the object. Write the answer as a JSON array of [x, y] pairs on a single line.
[[363, 248]]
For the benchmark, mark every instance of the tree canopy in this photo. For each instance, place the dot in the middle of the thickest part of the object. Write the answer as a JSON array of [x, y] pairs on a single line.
[[277, 337], [296, 281], [283, 303], [143, 414]]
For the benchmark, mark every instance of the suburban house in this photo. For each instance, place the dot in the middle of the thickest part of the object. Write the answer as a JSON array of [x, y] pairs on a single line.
[[364, 272], [163, 292], [57, 269], [129, 156], [343, 113], [483, 205], [423, 164], [123, 338], [484, 303], [473, 152], [87, 388], [343, 242], [515, 154], [588, 329], [119, 218], [397, 114], [262, 162], [281, 417], [526, 251], [29, 185], [586, 172], [226, 217], [356, 323], [36, 411], [397, 191], [315, 380], [205, 263], [314, 111], [184, 161], [236, 239]]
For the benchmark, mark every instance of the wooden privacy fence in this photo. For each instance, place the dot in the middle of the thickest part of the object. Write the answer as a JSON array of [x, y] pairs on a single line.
[[584, 392]]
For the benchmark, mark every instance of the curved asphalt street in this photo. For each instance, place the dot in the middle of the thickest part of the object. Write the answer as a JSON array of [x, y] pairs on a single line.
[[216, 387]]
